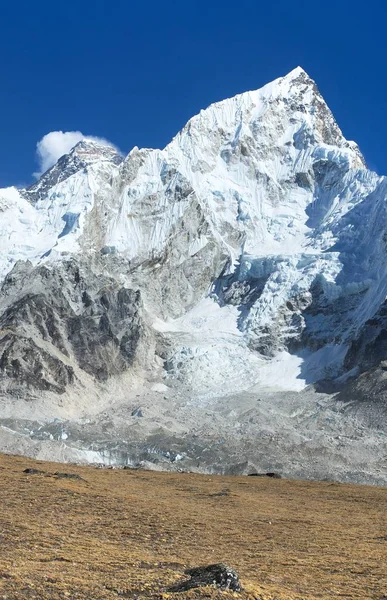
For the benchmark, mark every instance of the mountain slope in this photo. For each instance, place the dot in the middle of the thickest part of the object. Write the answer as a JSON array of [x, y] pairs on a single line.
[[137, 532], [246, 258]]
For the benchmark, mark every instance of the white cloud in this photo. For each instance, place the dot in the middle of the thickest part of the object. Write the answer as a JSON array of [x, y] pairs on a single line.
[[57, 143]]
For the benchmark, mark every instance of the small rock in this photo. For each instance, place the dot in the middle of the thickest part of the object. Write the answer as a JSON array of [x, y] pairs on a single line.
[[272, 475], [224, 492], [68, 476], [33, 472], [137, 412], [218, 575]]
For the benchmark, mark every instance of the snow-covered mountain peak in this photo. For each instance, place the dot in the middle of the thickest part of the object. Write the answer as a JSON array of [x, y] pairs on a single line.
[[296, 72], [247, 255], [255, 187], [91, 150], [264, 169], [257, 163], [285, 111], [83, 155]]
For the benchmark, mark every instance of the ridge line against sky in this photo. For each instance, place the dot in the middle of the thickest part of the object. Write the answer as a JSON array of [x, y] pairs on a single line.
[[135, 74], [55, 144]]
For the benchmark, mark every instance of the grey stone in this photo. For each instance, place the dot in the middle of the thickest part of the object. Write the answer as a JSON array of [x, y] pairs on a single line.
[[218, 575]]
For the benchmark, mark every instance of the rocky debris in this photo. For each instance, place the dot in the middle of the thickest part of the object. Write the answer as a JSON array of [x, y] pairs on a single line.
[[270, 474], [369, 348], [34, 472], [348, 442], [218, 575], [68, 476], [58, 474], [364, 397], [224, 492]]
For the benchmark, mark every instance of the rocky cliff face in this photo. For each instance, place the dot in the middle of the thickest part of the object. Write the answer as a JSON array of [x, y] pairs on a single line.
[[60, 322], [247, 257]]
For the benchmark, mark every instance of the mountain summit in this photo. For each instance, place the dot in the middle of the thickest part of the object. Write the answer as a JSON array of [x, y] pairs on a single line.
[[220, 302]]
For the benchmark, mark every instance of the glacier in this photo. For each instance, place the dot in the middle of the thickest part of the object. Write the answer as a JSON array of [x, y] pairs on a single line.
[[243, 263]]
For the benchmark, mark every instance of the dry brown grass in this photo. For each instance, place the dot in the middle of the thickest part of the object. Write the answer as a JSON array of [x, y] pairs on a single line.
[[132, 533]]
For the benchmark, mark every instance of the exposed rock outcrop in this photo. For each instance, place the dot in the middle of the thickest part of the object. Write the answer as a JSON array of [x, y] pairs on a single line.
[[219, 576], [59, 321]]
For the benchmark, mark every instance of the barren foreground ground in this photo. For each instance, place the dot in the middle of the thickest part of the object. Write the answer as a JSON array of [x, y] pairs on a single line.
[[130, 534]]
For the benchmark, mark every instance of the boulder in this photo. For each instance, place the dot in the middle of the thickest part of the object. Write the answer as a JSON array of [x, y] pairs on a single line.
[[219, 575]]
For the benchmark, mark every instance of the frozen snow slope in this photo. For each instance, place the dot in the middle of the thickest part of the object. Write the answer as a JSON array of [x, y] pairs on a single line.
[[248, 255]]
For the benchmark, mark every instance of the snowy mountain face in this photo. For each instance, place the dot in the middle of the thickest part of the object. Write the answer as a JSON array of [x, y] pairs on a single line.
[[246, 258]]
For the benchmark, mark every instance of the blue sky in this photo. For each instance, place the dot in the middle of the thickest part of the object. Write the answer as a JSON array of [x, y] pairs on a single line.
[[135, 72]]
